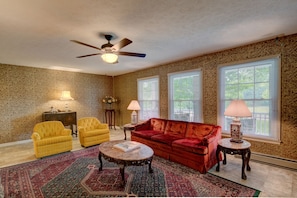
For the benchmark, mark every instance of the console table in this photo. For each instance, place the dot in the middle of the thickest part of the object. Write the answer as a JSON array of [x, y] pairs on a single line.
[[110, 117], [67, 118]]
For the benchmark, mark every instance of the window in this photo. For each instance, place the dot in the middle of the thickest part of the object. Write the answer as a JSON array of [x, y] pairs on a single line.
[[185, 93], [257, 83], [148, 97]]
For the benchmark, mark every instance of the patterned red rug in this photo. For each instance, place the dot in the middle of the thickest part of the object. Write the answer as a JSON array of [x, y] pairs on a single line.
[[75, 174]]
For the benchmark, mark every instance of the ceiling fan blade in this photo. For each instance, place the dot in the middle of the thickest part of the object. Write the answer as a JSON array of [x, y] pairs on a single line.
[[85, 44], [88, 55], [124, 42], [131, 54]]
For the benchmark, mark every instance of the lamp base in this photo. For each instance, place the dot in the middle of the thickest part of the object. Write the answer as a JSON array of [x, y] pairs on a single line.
[[134, 119], [236, 135]]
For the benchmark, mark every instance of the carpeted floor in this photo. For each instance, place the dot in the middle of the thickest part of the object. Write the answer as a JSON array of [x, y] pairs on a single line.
[[75, 174]]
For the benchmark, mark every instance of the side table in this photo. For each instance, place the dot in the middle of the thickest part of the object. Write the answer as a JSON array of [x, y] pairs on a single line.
[[129, 127], [110, 118], [233, 148]]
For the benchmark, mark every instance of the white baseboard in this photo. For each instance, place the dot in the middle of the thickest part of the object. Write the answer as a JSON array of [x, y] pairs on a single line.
[[272, 160], [14, 143]]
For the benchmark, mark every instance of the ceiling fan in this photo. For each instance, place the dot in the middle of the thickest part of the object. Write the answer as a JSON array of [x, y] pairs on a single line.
[[109, 52]]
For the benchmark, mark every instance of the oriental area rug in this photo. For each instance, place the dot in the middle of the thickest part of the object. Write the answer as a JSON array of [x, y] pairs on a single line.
[[75, 174]]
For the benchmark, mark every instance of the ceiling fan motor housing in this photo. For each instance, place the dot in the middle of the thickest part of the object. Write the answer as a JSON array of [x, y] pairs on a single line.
[[107, 45]]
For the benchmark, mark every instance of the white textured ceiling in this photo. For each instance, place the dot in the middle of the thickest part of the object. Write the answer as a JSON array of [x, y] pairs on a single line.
[[37, 33]]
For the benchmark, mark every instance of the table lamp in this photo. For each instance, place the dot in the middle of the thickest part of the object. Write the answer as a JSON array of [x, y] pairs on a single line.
[[66, 96], [237, 109], [134, 106]]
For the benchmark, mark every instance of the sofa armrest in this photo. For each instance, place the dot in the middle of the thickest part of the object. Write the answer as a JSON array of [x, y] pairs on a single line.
[[215, 135], [143, 126], [35, 136]]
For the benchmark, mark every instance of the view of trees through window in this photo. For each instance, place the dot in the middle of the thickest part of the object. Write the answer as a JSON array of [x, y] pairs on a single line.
[[185, 96], [148, 97], [256, 84]]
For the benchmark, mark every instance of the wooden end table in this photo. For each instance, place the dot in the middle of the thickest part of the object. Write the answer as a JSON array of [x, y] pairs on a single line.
[[243, 149], [129, 127], [136, 157]]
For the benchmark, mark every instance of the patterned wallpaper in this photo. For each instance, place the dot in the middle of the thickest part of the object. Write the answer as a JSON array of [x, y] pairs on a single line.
[[27, 92], [126, 87]]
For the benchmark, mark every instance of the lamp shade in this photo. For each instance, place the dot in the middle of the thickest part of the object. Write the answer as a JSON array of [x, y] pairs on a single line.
[[109, 57], [237, 108], [66, 95], [134, 105]]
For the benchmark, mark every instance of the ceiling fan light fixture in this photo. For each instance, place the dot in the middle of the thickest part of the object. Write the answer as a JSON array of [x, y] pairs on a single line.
[[109, 57]]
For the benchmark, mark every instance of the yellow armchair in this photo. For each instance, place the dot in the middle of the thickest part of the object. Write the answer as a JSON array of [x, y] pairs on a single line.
[[51, 138], [92, 132]]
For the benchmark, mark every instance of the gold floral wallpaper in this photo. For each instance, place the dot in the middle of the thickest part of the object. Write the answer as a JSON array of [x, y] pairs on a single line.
[[126, 87], [27, 92]]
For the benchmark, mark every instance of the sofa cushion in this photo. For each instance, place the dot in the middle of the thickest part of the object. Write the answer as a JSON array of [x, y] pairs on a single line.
[[158, 124], [176, 128], [165, 138], [198, 130], [192, 145], [146, 134]]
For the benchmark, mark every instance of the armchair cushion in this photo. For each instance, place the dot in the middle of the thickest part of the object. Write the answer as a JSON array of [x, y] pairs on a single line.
[[53, 140]]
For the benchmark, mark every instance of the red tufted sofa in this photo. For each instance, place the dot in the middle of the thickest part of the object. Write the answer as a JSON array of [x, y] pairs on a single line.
[[188, 143]]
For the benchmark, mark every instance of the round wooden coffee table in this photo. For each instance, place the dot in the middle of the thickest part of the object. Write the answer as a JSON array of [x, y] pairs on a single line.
[[136, 157]]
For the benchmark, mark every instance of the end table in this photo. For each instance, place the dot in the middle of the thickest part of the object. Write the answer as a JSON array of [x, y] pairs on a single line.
[[243, 149], [129, 127]]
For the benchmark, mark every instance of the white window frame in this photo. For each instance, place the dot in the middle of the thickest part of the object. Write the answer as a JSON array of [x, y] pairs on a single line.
[[250, 124], [192, 115], [145, 113]]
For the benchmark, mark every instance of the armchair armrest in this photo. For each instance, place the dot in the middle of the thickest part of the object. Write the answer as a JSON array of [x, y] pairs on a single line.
[[35, 136], [102, 126], [66, 132], [81, 129]]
